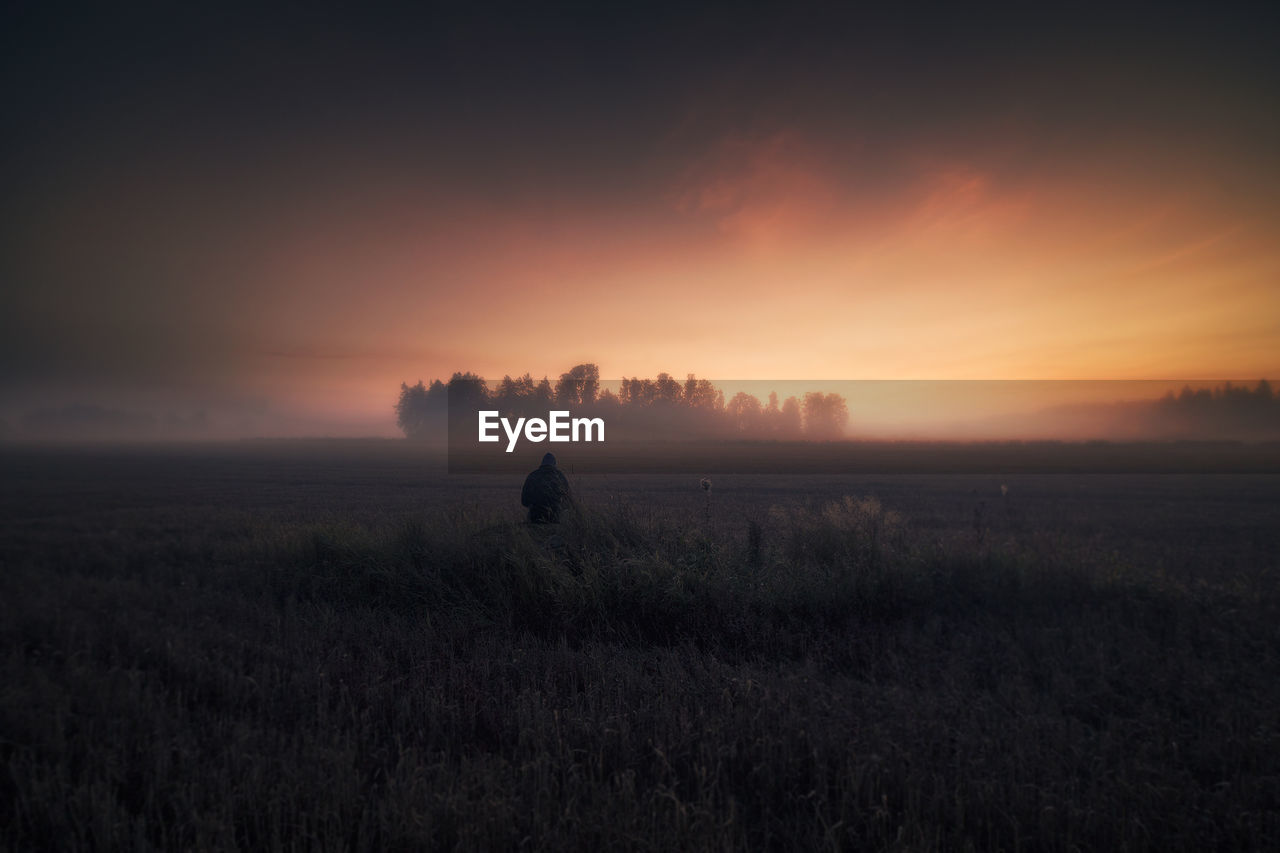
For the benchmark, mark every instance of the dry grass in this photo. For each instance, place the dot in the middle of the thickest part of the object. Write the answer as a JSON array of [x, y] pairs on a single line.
[[452, 680]]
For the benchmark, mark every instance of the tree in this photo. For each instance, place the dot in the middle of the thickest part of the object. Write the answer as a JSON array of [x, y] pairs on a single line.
[[542, 395], [635, 391], [825, 416], [701, 394], [507, 396], [420, 410], [467, 388], [666, 389], [579, 386], [514, 395], [696, 408], [789, 419], [744, 413]]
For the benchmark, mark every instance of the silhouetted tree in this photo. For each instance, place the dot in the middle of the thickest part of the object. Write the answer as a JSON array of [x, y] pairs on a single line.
[[465, 388], [701, 394], [507, 397], [542, 395], [608, 401], [1228, 411], [745, 413], [789, 419], [514, 395], [636, 392], [420, 410], [694, 408], [579, 386], [411, 409], [824, 416], [666, 390]]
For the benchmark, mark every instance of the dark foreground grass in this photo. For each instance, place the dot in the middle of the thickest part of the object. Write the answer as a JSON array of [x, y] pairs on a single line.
[[828, 680]]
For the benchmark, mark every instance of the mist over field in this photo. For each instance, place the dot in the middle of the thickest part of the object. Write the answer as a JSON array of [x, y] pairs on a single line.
[[752, 410]]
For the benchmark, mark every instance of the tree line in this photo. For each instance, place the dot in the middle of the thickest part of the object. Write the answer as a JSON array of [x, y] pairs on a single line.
[[664, 407], [1227, 410]]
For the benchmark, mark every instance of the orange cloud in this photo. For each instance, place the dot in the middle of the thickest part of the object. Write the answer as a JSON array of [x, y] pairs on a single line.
[[762, 190]]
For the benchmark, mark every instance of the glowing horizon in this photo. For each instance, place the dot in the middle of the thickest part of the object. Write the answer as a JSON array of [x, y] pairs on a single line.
[[1108, 210]]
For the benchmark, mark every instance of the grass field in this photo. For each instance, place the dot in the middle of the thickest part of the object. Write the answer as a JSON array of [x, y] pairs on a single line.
[[339, 646]]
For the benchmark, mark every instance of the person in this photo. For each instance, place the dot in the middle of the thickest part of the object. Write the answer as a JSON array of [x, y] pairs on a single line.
[[545, 492]]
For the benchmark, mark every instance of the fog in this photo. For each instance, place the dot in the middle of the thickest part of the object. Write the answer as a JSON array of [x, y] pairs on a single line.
[[877, 411]]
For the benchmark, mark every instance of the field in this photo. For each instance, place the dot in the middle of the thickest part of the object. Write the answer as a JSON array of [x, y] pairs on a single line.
[[340, 646]]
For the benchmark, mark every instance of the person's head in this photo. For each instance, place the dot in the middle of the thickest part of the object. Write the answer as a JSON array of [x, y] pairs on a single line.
[[549, 459]]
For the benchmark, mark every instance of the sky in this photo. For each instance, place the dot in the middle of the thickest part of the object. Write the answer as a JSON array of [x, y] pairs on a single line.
[[275, 217]]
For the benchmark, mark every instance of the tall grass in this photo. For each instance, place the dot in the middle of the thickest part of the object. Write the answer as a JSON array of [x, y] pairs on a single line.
[[831, 679]]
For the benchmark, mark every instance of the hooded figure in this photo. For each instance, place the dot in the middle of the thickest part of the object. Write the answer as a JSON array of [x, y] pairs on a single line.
[[545, 492]]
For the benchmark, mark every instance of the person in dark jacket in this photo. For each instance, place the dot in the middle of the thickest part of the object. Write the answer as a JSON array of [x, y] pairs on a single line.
[[545, 492]]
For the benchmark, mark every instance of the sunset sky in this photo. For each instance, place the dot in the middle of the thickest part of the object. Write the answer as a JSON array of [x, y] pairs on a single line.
[[278, 218]]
